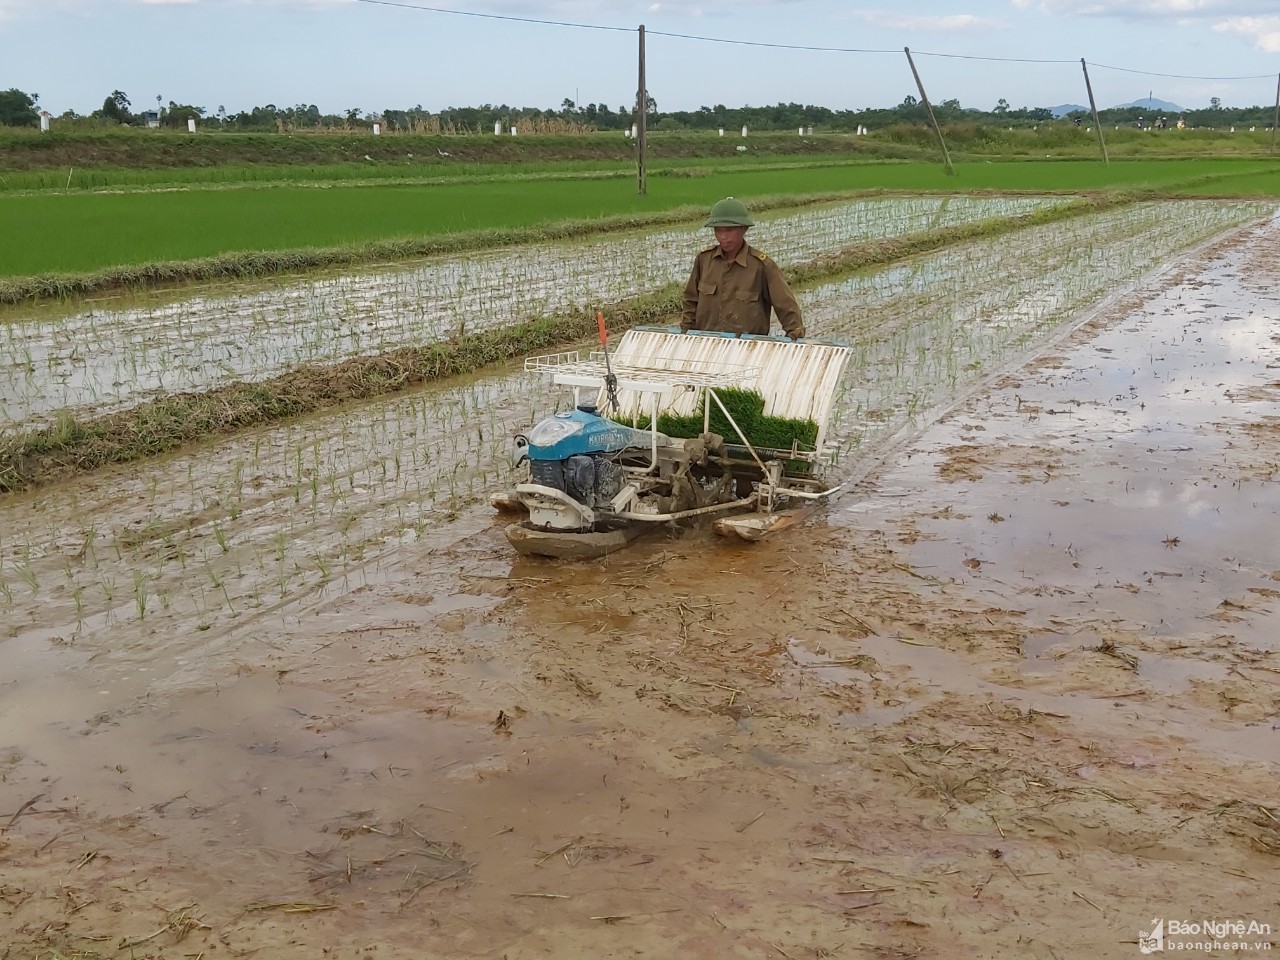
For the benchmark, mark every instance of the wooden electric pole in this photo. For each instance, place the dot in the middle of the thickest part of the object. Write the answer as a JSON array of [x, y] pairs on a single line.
[[1276, 120], [1093, 106], [924, 98], [642, 108]]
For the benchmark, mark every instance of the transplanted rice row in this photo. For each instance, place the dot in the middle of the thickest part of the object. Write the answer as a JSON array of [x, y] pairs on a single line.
[[929, 331], [263, 520], [106, 358], [166, 423]]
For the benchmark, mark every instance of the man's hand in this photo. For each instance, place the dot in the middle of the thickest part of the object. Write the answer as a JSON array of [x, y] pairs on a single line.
[[797, 334]]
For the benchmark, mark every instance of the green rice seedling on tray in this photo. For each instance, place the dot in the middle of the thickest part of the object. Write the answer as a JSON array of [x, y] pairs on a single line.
[[747, 409]]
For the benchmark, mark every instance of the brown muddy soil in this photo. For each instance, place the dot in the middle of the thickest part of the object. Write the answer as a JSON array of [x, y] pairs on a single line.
[[1014, 695]]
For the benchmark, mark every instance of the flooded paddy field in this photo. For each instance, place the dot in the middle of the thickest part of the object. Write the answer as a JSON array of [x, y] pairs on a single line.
[[124, 350], [1014, 694]]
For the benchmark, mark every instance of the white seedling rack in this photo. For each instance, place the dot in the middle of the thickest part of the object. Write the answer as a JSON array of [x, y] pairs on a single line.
[[659, 371]]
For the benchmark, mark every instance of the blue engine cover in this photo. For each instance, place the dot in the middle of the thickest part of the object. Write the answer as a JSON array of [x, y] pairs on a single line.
[[578, 432]]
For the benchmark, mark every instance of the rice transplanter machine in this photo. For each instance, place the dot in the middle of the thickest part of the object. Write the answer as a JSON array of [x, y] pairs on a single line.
[[670, 426]]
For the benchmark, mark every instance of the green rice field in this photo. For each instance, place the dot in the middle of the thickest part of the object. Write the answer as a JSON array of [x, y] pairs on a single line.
[[71, 232]]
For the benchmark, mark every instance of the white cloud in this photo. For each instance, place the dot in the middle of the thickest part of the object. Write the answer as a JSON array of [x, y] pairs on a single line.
[[1264, 31], [236, 3], [1253, 19], [600, 11], [1151, 9], [920, 23], [15, 10]]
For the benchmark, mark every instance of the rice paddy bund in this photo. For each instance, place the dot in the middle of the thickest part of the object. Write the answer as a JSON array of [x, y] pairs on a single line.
[[185, 545]]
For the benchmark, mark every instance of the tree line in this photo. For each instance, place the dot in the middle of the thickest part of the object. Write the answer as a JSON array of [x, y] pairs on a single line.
[[20, 109]]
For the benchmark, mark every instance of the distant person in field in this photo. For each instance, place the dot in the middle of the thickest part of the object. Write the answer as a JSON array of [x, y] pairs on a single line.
[[734, 287]]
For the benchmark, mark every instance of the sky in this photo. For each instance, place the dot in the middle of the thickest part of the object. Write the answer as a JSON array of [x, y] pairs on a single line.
[[373, 55]]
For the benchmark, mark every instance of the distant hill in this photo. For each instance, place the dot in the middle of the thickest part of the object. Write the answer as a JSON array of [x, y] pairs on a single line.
[[1154, 104], [1150, 104]]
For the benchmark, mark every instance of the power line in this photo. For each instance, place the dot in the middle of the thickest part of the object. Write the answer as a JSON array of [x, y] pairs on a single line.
[[497, 16], [1179, 76], [786, 46], [758, 43], [596, 26], [966, 56]]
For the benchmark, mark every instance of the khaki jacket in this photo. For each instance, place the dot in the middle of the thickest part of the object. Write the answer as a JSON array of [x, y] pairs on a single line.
[[736, 296]]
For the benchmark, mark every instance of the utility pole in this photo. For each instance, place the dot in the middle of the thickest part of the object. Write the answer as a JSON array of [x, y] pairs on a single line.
[[642, 108], [924, 98], [1093, 106], [1276, 120]]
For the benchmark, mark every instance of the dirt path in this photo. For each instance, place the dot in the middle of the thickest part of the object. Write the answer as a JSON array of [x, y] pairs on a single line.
[[1014, 696]]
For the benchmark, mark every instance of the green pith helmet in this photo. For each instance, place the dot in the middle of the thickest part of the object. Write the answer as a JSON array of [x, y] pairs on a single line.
[[729, 213]]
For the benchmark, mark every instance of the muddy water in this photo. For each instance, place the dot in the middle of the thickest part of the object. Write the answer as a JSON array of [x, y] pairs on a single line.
[[187, 546], [1110, 500], [121, 352], [1161, 519], [919, 734]]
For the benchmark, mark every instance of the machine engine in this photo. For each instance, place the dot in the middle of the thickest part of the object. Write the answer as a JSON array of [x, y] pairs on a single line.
[[593, 479], [576, 465]]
